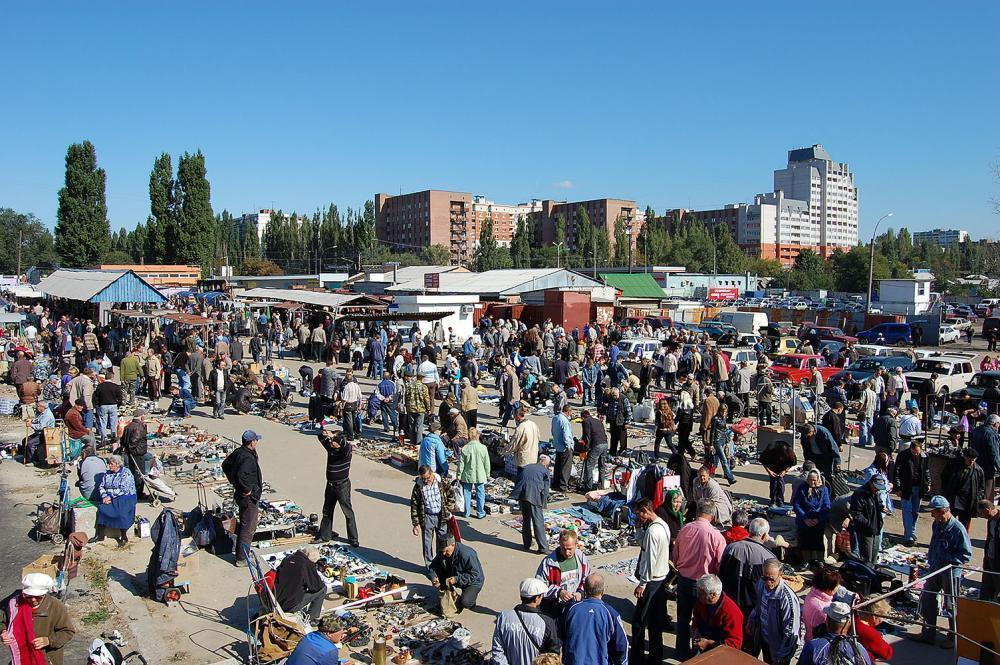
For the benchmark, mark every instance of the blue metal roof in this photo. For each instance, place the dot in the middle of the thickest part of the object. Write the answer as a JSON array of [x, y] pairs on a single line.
[[128, 288]]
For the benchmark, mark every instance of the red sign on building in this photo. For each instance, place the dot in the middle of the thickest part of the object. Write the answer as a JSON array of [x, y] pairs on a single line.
[[432, 280], [723, 293]]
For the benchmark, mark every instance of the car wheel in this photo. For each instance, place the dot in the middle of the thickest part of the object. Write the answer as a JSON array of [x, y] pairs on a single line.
[[901, 343]]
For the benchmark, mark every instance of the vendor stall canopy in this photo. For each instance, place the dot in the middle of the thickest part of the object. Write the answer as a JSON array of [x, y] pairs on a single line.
[[97, 286], [313, 298]]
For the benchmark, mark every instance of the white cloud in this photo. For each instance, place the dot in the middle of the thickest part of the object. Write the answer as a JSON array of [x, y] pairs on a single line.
[[563, 184]]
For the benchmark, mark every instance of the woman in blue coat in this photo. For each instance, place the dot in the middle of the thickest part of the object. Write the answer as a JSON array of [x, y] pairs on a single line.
[[812, 511]]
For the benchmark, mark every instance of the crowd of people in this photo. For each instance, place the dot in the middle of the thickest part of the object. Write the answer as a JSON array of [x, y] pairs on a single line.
[[723, 571]]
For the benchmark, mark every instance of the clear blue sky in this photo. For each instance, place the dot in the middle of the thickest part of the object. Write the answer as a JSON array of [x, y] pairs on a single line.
[[300, 104]]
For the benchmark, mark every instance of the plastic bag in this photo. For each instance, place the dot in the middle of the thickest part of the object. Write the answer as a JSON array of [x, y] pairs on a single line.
[[106, 362]]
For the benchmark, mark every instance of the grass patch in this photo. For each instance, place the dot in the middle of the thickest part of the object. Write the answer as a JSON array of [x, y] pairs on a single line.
[[97, 576], [98, 616]]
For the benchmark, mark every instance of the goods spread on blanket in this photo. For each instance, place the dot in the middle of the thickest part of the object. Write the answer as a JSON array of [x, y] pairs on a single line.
[[594, 539], [334, 557], [625, 568], [412, 635]]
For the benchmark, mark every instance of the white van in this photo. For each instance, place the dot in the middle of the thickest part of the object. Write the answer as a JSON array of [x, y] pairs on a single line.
[[745, 322]]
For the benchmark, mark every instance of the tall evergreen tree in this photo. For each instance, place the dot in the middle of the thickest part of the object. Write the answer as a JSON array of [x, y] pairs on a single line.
[[521, 243], [137, 242], [161, 227], [82, 229], [251, 242], [489, 255], [196, 228], [622, 243]]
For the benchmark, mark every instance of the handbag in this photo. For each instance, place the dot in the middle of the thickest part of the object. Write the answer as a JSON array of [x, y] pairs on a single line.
[[838, 485], [842, 542]]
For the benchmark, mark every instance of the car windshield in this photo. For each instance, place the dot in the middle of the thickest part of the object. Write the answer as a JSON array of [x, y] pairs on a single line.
[[785, 361], [979, 381], [935, 366], [867, 365], [625, 345]]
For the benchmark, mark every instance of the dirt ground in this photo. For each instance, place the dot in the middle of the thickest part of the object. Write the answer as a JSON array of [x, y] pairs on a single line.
[[209, 624]]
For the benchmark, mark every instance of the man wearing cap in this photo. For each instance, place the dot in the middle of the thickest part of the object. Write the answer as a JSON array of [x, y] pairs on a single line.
[[867, 515], [242, 469], [457, 575], [949, 546], [523, 632], [912, 480], [36, 626], [42, 420], [836, 644], [322, 646]]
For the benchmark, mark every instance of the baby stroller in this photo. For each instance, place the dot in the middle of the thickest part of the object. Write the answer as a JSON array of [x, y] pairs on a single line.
[[51, 518], [158, 490]]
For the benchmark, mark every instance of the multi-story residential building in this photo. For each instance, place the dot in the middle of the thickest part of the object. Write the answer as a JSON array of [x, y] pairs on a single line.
[[422, 219], [504, 217], [256, 220], [946, 238], [828, 188], [603, 214]]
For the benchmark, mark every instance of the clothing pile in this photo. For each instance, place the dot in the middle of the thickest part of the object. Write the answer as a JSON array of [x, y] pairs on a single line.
[[624, 568]]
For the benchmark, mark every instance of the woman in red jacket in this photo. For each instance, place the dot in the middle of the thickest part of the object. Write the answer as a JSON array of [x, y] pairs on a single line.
[[866, 621], [717, 619]]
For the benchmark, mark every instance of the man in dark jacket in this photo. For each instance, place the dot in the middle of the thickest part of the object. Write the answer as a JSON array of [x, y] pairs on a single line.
[[532, 493], [338, 486], [833, 420], [242, 469], [619, 416], [885, 431], [457, 575], [134, 444], [992, 396], [219, 385], [742, 563], [823, 449], [986, 441], [964, 486], [866, 516], [298, 584], [912, 479], [596, 439]]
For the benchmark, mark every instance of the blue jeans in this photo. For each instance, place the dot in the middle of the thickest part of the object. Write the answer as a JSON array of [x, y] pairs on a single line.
[[865, 433], [389, 416], [588, 394], [719, 459], [508, 412], [107, 421], [480, 489], [911, 509], [88, 418]]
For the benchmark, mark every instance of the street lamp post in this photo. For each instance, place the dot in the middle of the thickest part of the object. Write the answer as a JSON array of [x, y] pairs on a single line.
[[871, 262], [559, 246]]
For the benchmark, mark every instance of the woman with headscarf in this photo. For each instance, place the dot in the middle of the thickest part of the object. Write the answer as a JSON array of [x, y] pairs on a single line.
[[812, 508], [118, 498], [671, 511]]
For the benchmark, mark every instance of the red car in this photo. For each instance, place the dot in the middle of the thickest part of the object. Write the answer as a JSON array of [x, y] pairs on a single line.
[[795, 367], [826, 332]]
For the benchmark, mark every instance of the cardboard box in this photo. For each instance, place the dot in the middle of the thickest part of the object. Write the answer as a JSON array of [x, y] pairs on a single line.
[[189, 562], [50, 564]]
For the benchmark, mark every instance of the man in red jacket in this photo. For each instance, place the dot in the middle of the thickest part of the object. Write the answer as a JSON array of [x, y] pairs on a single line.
[[717, 619]]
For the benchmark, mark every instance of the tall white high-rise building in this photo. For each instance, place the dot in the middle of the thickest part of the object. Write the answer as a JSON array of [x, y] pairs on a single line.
[[828, 188]]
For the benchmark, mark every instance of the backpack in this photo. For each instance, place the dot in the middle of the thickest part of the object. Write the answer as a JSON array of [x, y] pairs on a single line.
[[840, 650]]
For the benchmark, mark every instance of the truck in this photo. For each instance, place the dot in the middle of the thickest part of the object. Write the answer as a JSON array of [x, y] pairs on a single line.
[[954, 371], [745, 322]]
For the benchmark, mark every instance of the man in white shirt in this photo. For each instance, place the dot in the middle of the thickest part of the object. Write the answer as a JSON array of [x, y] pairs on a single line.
[[909, 426], [30, 331], [651, 571], [427, 372]]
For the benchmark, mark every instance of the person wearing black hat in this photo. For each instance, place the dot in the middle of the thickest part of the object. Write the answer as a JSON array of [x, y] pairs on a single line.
[[964, 486], [866, 516], [242, 469]]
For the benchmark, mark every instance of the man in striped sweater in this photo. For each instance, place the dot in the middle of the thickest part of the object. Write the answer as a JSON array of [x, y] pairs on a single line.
[[338, 486]]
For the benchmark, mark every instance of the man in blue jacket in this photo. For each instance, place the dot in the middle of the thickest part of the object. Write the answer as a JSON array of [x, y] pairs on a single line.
[[594, 633], [562, 439], [432, 451], [949, 545], [321, 646]]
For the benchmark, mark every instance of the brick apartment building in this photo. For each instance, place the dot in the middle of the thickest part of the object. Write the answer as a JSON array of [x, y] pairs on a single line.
[[602, 212]]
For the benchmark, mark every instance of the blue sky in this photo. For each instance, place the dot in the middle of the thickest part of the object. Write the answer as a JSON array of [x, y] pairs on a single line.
[[299, 104]]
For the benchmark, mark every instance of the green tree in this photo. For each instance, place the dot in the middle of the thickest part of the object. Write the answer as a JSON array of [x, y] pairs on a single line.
[[137, 242], [850, 269], [521, 244], [489, 255], [82, 229], [622, 256], [196, 223], [116, 257], [250, 241], [729, 257], [437, 255], [809, 272], [260, 267], [161, 226], [36, 242], [560, 229]]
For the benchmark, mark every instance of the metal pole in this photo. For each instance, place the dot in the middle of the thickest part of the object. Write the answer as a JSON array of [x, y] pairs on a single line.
[[871, 263]]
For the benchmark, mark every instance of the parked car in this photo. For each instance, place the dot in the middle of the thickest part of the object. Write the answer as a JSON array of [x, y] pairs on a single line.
[[779, 346], [825, 332], [658, 322], [948, 334], [977, 385], [739, 355], [867, 350], [954, 371], [899, 334], [957, 322], [744, 339], [967, 311], [795, 367], [865, 368], [643, 347], [991, 324]]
